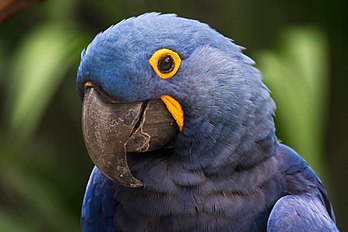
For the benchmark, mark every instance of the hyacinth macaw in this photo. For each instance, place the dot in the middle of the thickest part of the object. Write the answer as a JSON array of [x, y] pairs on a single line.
[[180, 128]]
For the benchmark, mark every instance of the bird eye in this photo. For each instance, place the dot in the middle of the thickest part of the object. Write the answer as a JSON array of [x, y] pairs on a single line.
[[165, 63]]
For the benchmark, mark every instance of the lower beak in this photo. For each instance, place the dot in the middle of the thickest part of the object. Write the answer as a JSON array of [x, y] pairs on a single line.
[[112, 129]]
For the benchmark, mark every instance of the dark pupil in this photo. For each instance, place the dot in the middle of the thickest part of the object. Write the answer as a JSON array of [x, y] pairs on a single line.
[[166, 64]]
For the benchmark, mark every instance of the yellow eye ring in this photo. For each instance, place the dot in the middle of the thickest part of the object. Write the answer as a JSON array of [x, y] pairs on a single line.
[[165, 63]]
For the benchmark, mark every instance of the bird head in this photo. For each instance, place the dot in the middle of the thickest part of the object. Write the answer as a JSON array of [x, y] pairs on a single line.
[[158, 81]]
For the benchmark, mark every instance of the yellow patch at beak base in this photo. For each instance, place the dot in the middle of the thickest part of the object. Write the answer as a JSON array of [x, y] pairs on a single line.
[[175, 109]]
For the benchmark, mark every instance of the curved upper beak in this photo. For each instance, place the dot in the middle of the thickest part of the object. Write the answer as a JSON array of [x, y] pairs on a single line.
[[111, 129]]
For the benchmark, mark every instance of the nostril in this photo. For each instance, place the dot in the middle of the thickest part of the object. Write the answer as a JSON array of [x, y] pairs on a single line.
[[83, 86], [88, 84]]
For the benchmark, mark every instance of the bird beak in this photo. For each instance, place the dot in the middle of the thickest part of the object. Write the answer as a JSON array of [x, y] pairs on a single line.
[[111, 129]]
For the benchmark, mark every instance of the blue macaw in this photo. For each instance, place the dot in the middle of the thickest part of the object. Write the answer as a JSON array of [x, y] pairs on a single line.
[[180, 128]]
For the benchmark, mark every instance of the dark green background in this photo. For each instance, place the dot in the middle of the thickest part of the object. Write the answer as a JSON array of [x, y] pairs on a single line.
[[44, 166]]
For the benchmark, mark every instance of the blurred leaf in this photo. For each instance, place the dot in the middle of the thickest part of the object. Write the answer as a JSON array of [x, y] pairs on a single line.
[[297, 75], [9, 222], [26, 191], [59, 10], [37, 70], [2, 61], [43, 200]]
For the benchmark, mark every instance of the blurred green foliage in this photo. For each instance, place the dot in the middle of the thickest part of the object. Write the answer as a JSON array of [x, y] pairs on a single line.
[[38, 68], [44, 166], [297, 74]]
